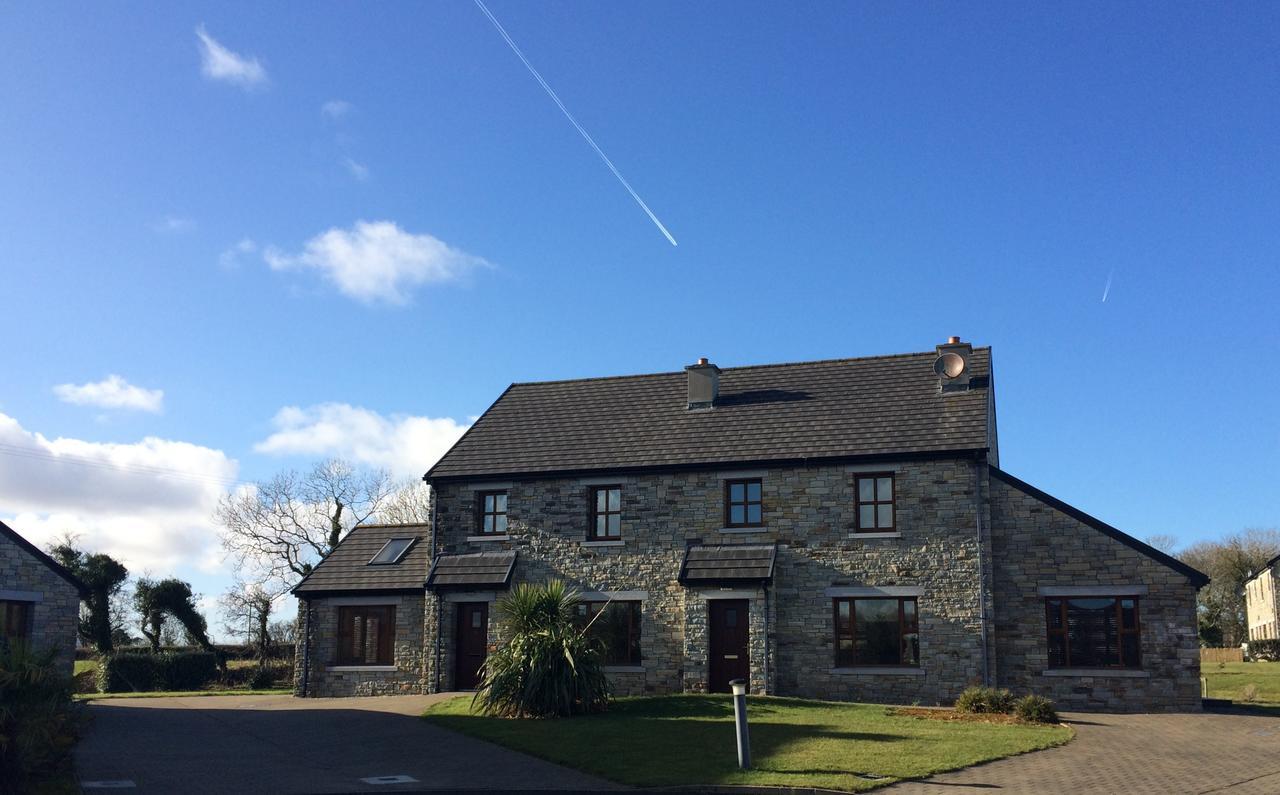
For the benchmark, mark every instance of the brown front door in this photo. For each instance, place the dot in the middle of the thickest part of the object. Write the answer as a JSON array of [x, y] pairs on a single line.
[[727, 624], [471, 643]]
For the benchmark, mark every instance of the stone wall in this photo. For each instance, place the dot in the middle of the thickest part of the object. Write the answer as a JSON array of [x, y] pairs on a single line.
[[808, 513], [1039, 547], [55, 601], [326, 678]]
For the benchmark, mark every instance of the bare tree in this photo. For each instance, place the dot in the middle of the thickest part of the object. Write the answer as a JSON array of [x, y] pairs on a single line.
[[247, 611], [1229, 562], [277, 530], [1163, 542], [410, 503]]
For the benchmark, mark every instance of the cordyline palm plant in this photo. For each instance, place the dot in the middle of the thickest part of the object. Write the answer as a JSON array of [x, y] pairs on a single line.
[[38, 721], [547, 665]]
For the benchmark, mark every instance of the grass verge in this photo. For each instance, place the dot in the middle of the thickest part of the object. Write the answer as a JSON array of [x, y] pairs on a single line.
[[689, 740], [1230, 680], [183, 693]]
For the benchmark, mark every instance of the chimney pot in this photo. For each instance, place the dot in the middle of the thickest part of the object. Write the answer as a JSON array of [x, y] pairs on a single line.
[[702, 360], [953, 340]]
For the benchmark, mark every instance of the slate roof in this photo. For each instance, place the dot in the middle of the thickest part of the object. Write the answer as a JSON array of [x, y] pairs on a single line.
[[712, 564], [475, 570], [41, 556], [347, 568], [840, 408]]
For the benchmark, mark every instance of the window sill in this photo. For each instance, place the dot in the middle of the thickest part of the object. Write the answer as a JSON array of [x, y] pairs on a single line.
[[760, 529], [1114, 673], [892, 534], [623, 669], [354, 668], [489, 538], [881, 670], [611, 543]]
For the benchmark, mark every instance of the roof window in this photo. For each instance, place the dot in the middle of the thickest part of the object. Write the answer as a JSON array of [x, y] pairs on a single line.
[[392, 552]]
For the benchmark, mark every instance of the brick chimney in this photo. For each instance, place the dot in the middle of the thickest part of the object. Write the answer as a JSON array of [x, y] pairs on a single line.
[[952, 365], [704, 384]]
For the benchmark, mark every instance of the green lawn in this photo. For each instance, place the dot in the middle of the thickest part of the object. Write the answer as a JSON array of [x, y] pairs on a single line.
[[172, 693], [1228, 680], [689, 740]]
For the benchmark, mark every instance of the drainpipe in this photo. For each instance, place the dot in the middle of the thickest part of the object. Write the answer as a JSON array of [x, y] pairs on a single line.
[[767, 641], [435, 525], [982, 569]]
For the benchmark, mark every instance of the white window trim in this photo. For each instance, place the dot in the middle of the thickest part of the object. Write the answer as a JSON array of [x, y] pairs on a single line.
[[370, 668], [503, 485], [617, 596], [620, 481], [875, 592], [889, 534], [357, 601], [743, 530], [894, 468], [612, 542], [744, 474], [879, 670], [483, 538], [1093, 590], [471, 596], [711, 593]]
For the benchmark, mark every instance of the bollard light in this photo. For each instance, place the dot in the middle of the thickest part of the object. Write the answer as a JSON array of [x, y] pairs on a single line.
[[739, 688]]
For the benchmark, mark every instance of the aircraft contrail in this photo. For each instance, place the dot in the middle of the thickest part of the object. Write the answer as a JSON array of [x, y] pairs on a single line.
[[511, 43], [1107, 290]]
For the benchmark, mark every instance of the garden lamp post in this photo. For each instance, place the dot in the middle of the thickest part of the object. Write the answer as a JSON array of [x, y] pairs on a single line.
[[739, 687]]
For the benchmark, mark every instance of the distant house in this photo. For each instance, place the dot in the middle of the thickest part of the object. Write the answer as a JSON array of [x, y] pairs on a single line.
[[836, 529], [39, 599], [1262, 610]]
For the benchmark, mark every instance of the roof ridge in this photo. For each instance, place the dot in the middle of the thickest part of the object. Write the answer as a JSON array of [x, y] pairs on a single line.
[[838, 360]]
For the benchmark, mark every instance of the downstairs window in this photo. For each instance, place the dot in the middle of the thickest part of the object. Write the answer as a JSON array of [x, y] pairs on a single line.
[[877, 632], [1093, 632], [617, 626], [366, 635], [15, 622]]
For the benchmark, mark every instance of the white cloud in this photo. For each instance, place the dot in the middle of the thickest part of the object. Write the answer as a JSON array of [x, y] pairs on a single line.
[[336, 108], [149, 503], [358, 170], [404, 444], [113, 392], [175, 224], [219, 63], [377, 261], [230, 258]]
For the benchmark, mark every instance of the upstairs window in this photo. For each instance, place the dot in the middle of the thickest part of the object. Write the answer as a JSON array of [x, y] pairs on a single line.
[[15, 622], [875, 506], [877, 632], [493, 513], [743, 504], [606, 513], [392, 552], [1093, 632], [616, 625], [366, 635]]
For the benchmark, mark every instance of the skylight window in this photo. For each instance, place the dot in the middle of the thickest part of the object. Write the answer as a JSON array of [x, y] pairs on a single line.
[[392, 551]]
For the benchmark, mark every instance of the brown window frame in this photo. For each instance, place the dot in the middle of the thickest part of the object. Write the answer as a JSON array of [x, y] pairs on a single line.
[[384, 654], [635, 620], [595, 513], [1063, 632], [875, 502], [905, 629], [746, 503], [482, 516], [25, 612]]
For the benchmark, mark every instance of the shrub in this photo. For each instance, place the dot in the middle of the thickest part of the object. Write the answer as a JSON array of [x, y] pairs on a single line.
[[1249, 693], [1268, 649], [547, 665], [269, 675], [979, 700], [39, 722], [127, 672], [1035, 709]]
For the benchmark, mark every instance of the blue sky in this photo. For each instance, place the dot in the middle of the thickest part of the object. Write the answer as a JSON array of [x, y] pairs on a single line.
[[842, 179]]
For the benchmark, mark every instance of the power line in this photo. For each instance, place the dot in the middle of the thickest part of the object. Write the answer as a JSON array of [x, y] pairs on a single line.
[[14, 451]]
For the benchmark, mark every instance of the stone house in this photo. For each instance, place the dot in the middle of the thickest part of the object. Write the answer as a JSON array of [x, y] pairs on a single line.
[[835, 529], [1260, 603], [39, 599]]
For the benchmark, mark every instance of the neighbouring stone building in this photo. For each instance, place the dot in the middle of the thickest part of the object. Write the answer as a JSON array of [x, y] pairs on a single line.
[[39, 599], [836, 529], [1260, 604]]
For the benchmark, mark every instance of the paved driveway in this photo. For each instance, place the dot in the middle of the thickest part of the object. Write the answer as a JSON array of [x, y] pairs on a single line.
[[1135, 755], [279, 744]]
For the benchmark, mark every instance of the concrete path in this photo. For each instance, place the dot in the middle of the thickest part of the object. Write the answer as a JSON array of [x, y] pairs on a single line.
[[1228, 753], [280, 744]]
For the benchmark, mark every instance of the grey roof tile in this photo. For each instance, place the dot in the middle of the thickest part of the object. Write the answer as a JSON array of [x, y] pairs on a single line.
[[347, 568], [709, 564], [475, 570], [838, 408]]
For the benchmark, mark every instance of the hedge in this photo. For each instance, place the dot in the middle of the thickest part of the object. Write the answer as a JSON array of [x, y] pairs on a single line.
[[1268, 649], [126, 672]]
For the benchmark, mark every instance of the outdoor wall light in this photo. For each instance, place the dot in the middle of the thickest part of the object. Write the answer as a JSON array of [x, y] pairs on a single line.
[[739, 687]]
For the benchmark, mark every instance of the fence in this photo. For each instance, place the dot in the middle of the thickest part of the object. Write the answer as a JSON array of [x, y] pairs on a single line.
[[1221, 655]]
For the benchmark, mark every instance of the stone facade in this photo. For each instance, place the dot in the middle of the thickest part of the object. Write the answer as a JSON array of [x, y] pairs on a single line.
[[324, 677], [972, 550], [1039, 548], [55, 602]]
